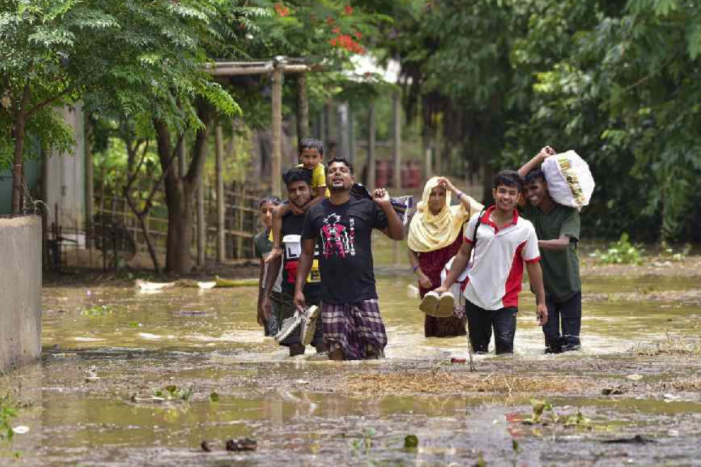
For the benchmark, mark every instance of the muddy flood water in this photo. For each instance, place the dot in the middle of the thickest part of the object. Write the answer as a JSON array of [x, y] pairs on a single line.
[[131, 378]]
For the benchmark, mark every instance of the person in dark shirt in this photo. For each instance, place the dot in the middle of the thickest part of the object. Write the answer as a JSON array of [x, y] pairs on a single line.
[[557, 227], [298, 182], [341, 227], [262, 245]]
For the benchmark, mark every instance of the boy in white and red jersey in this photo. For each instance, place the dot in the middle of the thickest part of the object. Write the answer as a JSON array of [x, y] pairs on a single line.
[[502, 242]]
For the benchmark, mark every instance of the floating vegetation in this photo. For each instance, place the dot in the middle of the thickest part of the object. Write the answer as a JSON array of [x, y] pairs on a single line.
[[540, 407], [101, 310], [673, 345], [411, 442], [428, 382]]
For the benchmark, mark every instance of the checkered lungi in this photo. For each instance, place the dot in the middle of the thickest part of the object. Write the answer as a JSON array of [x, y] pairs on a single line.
[[356, 328]]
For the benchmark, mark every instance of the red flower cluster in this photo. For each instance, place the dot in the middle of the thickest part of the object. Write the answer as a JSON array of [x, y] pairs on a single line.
[[345, 41], [348, 10], [281, 9]]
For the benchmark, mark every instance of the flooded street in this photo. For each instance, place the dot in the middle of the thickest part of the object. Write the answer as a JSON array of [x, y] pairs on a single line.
[[129, 378]]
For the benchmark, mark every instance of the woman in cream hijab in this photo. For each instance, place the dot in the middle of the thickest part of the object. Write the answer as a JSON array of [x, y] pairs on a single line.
[[435, 236]]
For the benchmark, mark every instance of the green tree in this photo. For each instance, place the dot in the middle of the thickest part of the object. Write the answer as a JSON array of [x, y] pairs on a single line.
[[45, 61]]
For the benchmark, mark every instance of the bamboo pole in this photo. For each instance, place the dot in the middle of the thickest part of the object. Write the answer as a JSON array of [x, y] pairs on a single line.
[[276, 132], [302, 107], [221, 232]]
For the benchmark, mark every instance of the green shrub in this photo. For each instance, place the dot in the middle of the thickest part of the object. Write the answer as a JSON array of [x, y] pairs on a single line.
[[622, 252]]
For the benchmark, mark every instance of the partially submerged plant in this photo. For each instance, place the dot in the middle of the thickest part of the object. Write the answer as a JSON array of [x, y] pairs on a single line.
[[8, 410], [540, 407], [673, 345], [622, 252], [171, 392]]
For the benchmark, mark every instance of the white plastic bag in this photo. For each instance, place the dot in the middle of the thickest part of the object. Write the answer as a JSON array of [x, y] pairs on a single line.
[[569, 179]]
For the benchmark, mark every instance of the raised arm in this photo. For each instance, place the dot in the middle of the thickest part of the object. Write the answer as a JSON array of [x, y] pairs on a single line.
[[471, 204], [395, 229], [536, 161], [303, 268]]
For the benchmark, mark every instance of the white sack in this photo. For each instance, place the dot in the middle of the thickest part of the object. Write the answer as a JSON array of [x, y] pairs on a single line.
[[570, 182]]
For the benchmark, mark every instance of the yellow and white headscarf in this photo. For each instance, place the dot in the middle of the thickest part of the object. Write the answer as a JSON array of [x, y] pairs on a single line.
[[429, 232]]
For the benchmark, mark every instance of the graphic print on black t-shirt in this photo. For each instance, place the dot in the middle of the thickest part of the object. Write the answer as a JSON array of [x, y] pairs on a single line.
[[343, 235], [336, 239]]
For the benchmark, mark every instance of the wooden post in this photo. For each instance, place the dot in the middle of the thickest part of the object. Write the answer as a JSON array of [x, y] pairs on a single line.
[[428, 152], [302, 107], [371, 148], [328, 131], [322, 126], [438, 158], [397, 133], [221, 233], [89, 182], [351, 136], [276, 132], [201, 227], [343, 148]]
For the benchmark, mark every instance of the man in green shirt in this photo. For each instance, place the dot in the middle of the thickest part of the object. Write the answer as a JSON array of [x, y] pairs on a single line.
[[557, 227]]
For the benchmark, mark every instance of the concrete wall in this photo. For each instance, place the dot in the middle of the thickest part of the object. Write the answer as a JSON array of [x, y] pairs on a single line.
[[20, 291]]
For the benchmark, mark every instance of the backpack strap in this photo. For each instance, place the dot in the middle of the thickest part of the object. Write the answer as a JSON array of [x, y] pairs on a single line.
[[474, 236]]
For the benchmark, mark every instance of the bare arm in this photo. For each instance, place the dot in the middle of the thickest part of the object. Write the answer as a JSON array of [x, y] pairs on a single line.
[[558, 244], [395, 229], [303, 269], [264, 309], [424, 281], [459, 265], [261, 286], [536, 161], [469, 202], [535, 277]]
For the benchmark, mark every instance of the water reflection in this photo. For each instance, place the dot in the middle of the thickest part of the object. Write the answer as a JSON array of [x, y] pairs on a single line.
[[209, 340]]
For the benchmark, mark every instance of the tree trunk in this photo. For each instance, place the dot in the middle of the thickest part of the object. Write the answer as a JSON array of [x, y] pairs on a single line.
[[18, 134], [180, 190]]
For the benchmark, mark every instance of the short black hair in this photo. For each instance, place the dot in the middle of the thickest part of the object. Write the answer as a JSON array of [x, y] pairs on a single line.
[[297, 174], [509, 178], [310, 143], [269, 199], [341, 160], [533, 176]]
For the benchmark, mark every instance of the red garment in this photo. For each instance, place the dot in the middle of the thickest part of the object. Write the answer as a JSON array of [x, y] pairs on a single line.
[[432, 264]]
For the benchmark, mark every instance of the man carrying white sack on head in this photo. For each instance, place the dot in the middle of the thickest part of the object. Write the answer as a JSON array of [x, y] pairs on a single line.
[[557, 227]]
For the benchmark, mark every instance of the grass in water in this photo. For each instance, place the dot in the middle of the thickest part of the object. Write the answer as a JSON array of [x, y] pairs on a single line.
[[673, 345]]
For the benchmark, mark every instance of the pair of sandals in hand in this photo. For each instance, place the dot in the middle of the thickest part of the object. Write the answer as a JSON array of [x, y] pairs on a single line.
[[306, 319], [438, 305]]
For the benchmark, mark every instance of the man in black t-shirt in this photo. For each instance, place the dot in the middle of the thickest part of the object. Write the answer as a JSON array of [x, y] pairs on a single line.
[[298, 182], [341, 227]]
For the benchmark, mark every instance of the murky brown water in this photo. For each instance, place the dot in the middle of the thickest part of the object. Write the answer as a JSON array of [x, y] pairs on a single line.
[[91, 398]]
